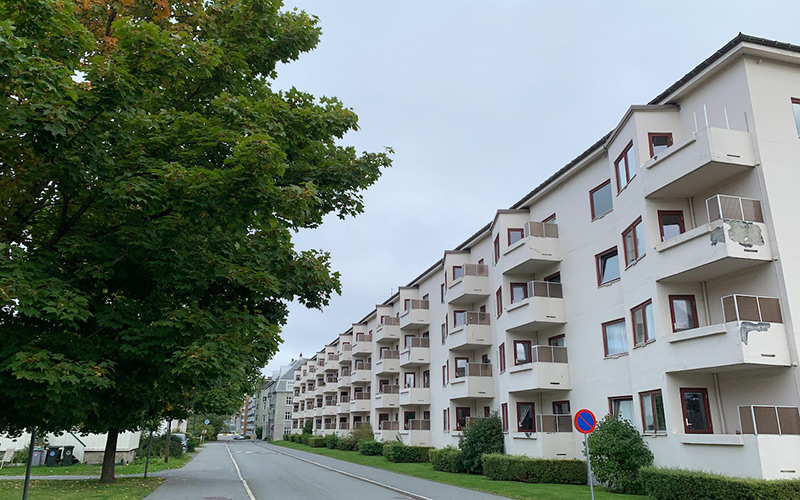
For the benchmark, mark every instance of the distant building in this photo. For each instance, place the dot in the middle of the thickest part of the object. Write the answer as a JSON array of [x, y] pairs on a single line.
[[274, 409]]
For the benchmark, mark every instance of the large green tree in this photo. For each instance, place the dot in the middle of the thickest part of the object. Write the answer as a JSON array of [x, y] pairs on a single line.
[[150, 182]]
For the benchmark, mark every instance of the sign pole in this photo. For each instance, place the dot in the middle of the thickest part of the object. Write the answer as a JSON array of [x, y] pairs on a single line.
[[585, 422], [588, 465]]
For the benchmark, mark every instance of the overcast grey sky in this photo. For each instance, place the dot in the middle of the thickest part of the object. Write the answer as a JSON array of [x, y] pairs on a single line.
[[481, 102]]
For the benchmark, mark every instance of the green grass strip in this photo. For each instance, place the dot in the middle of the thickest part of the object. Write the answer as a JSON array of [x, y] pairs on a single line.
[[156, 464], [131, 488]]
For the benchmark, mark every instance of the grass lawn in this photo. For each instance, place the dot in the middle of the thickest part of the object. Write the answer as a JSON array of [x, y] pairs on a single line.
[[156, 464], [123, 489], [510, 489]]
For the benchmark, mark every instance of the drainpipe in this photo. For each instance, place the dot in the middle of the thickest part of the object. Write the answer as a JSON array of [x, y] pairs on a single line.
[[719, 404], [706, 308]]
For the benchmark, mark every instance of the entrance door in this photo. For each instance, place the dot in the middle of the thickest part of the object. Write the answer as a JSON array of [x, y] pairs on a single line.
[[696, 412]]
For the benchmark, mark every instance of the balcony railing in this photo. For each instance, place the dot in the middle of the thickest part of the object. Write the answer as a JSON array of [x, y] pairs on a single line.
[[389, 425], [554, 423], [751, 308], [418, 425], [474, 370], [390, 354], [390, 321], [363, 337], [344, 426], [358, 425], [344, 399], [330, 380], [360, 396], [758, 419], [473, 318], [347, 347], [321, 362], [416, 304], [548, 354], [389, 389], [541, 229], [330, 427], [417, 342], [475, 269], [330, 402], [545, 289], [365, 366], [734, 207]]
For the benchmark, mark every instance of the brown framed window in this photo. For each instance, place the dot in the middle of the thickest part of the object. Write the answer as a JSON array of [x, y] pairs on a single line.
[[519, 291], [670, 223], [458, 272], [459, 318], [496, 248], [696, 411], [501, 356], [408, 415], [462, 414], [461, 367], [515, 234], [600, 200], [561, 408], [383, 351], [410, 380], [498, 297], [444, 375], [504, 416], [426, 378], [621, 407], [658, 141], [446, 419], [633, 242], [525, 420], [551, 219], [653, 420], [441, 293], [614, 339], [796, 111], [444, 332], [625, 167], [683, 311], [408, 340], [406, 304], [643, 324], [553, 278], [522, 352], [607, 264], [557, 341]]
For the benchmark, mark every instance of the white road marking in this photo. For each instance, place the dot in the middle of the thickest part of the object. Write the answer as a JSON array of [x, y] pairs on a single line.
[[246, 487]]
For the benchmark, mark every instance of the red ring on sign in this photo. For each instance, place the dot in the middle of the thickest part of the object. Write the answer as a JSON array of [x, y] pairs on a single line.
[[581, 414]]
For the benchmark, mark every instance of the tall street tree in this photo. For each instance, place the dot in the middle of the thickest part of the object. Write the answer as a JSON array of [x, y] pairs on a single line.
[[150, 183]]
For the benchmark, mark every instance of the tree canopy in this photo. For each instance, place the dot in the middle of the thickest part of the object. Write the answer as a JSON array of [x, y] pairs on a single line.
[[150, 182]]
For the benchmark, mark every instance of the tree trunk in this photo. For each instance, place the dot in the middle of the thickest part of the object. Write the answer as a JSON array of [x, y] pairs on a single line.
[[28, 465], [169, 437], [107, 475]]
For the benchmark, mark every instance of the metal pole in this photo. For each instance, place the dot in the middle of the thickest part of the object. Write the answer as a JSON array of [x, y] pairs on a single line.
[[589, 465], [28, 465], [147, 460]]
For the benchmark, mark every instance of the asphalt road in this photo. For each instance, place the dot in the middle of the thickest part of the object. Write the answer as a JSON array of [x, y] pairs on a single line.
[[275, 473]]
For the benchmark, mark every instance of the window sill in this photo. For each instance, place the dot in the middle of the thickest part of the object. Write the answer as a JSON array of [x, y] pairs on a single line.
[[654, 434], [644, 344], [615, 356], [694, 333], [510, 248], [524, 435], [635, 262], [517, 305], [521, 367], [608, 283], [602, 215], [455, 282]]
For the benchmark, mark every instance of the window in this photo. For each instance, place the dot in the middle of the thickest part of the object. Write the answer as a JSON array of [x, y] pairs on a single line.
[[406, 304], [621, 407], [642, 317], [446, 419], [522, 352], [519, 291], [504, 416], [383, 351], [614, 338], [408, 340], [557, 341], [550, 220], [515, 234], [287, 415], [659, 141], [553, 278], [461, 367], [458, 272], [560, 407], [444, 332], [487, 411], [796, 111], [684, 312], [653, 420], [601, 200], [426, 378], [496, 249], [462, 414], [459, 318], [444, 375], [410, 380], [501, 355], [696, 411], [288, 400], [670, 222], [633, 242], [408, 415], [525, 420], [485, 359], [625, 167], [498, 297], [607, 266], [441, 293]]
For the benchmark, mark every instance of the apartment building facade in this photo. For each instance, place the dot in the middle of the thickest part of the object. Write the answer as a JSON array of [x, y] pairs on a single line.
[[276, 397], [655, 277]]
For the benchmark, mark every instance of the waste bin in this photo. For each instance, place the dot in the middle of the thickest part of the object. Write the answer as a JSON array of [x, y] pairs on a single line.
[[53, 455], [66, 456], [38, 456]]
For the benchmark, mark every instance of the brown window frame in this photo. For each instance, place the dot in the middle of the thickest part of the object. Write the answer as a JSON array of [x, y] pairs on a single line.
[[460, 268], [444, 375], [533, 416], [469, 411], [605, 339], [413, 380], [559, 336], [647, 336], [501, 356], [504, 416], [595, 215], [651, 135], [498, 297], [455, 316], [513, 285], [632, 230], [706, 403], [562, 402], [623, 156], [681, 223], [602, 255], [446, 419], [549, 219], [519, 230], [426, 379], [693, 300], [652, 394], [441, 293], [612, 399], [466, 368], [496, 249], [444, 332], [527, 344]]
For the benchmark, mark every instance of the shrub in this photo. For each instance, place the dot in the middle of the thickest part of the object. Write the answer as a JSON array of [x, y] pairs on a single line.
[[316, 442], [192, 442], [350, 443], [677, 484], [370, 447], [259, 432], [347, 444], [21, 456], [534, 470], [158, 447], [618, 452], [446, 459], [308, 427], [398, 452], [332, 441], [480, 436], [304, 438]]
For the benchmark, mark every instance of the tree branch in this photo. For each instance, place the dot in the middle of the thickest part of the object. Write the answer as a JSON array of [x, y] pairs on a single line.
[[67, 224]]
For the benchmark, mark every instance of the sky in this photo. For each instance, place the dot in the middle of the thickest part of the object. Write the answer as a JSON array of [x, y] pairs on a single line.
[[481, 102]]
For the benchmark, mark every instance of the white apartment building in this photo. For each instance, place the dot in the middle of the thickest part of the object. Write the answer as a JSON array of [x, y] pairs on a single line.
[[655, 277]]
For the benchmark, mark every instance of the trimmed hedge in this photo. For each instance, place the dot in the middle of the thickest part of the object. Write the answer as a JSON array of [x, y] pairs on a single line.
[[348, 444], [332, 441], [678, 484], [447, 460], [316, 442], [370, 447], [399, 452], [533, 470]]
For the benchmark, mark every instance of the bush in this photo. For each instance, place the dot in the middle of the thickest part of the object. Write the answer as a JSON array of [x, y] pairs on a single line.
[[332, 441], [534, 470], [308, 427], [398, 452], [370, 447], [618, 452], [480, 436], [158, 447], [304, 438], [677, 484], [348, 444], [20, 456], [316, 442], [192, 442], [446, 459], [259, 432]]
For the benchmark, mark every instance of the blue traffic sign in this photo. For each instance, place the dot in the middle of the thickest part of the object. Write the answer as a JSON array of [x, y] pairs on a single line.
[[207, 421], [585, 421]]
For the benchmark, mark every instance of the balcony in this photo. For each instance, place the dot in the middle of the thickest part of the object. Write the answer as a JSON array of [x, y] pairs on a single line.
[[553, 438], [736, 239], [753, 334], [708, 158], [547, 371], [416, 316], [362, 346], [388, 330], [542, 306], [343, 405], [388, 430], [343, 382], [475, 332], [361, 374], [330, 409], [539, 248], [318, 411], [473, 286], [320, 390], [388, 364], [360, 402], [476, 381], [346, 355], [388, 397], [416, 433], [416, 353], [410, 396], [332, 363]]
